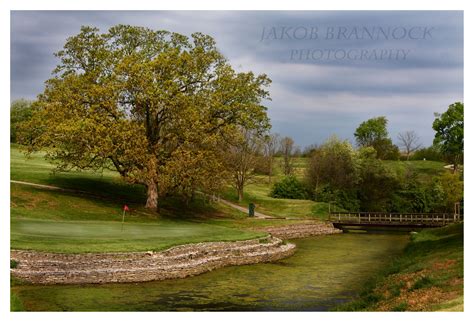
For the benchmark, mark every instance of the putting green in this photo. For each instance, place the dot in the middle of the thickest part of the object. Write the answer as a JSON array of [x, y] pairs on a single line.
[[107, 236]]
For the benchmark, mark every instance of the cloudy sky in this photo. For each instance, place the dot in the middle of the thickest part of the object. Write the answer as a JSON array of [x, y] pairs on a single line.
[[331, 70]]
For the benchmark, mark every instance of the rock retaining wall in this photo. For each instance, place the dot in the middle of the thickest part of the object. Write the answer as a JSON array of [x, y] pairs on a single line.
[[176, 262], [301, 230]]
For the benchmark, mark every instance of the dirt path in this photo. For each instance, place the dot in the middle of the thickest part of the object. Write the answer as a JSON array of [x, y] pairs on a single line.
[[243, 209]]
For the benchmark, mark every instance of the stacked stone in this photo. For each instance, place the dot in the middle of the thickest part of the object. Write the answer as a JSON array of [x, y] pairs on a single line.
[[302, 230], [177, 262]]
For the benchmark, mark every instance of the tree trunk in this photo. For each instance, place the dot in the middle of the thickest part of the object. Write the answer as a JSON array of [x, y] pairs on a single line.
[[240, 191], [270, 171], [152, 197]]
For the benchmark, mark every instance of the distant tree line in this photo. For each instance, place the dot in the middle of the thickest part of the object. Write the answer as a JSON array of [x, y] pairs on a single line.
[[358, 179]]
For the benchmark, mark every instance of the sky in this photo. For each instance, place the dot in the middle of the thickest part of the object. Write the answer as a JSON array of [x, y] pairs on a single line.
[[330, 70]]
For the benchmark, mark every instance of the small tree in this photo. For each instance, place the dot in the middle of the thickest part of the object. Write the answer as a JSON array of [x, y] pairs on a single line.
[[286, 148], [242, 157], [333, 164], [410, 141], [270, 149], [449, 127]]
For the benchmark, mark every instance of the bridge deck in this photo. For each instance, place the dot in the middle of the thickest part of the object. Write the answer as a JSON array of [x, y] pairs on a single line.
[[394, 219]]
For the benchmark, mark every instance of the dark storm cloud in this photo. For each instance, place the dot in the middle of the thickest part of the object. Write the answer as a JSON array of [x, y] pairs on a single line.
[[312, 98]]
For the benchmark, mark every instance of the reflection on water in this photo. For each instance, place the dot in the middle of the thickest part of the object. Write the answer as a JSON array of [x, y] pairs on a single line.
[[325, 271]]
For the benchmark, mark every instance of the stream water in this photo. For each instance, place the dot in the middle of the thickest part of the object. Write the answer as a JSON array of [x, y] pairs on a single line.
[[324, 272]]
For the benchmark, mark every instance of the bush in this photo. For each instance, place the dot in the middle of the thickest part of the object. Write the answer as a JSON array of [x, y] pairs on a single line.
[[345, 199], [289, 188], [431, 153], [13, 263]]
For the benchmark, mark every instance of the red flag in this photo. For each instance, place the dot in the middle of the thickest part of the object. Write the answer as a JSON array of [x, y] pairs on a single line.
[[125, 208]]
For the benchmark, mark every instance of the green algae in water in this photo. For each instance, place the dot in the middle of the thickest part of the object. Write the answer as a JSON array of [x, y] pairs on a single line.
[[324, 272]]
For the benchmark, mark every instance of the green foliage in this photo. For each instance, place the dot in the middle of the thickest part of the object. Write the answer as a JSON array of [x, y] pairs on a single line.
[[377, 183], [13, 263], [451, 190], [386, 150], [154, 105], [339, 198], [431, 153], [449, 128], [425, 249], [424, 281], [289, 188], [332, 174], [401, 307], [373, 133], [20, 112], [333, 164]]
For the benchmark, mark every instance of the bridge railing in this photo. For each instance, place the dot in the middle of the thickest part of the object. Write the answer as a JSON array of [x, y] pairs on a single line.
[[394, 218]]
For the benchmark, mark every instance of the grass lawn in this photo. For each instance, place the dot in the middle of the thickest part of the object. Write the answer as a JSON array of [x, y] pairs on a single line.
[[61, 221], [425, 169], [58, 221], [109, 185], [38, 170], [105, 236]]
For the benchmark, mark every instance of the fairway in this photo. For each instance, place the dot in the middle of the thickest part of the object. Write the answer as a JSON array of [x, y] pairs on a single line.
[[100, 236]]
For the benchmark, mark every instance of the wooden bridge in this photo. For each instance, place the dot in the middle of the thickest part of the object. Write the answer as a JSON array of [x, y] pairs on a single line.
[[383, 219]]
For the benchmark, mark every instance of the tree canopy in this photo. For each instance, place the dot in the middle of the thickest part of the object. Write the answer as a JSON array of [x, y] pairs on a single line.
[[373, 133], [449, 128], [154, 105], [20, 111]]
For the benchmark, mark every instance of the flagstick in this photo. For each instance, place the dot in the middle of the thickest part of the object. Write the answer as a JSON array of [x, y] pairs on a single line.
[[123, 218]]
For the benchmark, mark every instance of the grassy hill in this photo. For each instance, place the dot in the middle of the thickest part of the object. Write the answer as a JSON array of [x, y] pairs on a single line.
[[89, 221], [428, 276]]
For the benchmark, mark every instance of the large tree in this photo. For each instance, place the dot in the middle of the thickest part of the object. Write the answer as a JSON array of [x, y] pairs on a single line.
[[154, 105], [449, 128]]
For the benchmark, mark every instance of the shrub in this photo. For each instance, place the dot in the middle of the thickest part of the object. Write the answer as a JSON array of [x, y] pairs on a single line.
[[431, 153], [13, 263], [425, 281], [289, 188], [345, 199]]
